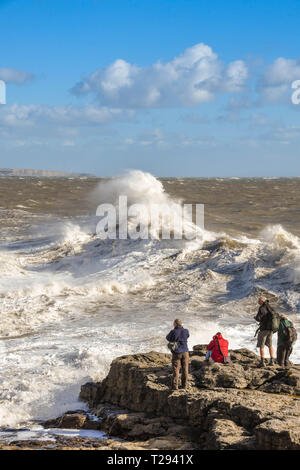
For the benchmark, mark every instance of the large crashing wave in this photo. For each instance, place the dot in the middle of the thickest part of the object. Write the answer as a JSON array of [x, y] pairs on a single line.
[[212, 269], [157, 211]]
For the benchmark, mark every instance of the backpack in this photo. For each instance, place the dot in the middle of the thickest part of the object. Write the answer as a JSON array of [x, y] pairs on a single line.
[[226, 359], [290, 333], [274, 319], [275, 322]]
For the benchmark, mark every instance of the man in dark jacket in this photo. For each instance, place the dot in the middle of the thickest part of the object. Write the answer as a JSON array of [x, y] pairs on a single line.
[[265, 333], [180, 356]]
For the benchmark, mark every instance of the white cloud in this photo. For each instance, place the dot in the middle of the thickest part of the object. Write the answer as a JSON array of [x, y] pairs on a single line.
[[18, 77], [159, 139], [275, 83], [31, 115], [189, 79]]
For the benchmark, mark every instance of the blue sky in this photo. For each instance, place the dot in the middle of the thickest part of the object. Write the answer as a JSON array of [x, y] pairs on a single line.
[[173, 87]]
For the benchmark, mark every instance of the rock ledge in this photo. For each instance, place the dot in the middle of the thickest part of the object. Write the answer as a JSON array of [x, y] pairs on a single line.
[[227, 406]]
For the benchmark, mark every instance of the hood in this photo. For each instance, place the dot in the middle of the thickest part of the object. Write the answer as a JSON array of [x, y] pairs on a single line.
[[219, 336]]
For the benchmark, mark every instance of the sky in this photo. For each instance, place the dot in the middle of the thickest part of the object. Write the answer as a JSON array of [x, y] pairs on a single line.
[[173, 87]]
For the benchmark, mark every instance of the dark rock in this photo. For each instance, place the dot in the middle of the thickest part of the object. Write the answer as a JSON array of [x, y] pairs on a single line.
[[226, 434], [227, 406], [278, 434], [88, 393], [283, 381], [210, 375], [199, 350], [72, 421]]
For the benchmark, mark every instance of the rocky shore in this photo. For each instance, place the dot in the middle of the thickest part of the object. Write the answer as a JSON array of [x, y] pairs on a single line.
[[227, 406]]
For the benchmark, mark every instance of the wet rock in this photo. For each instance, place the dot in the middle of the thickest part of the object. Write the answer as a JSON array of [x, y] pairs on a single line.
[[227, 406], [73, 420], [137, 379], [77, 443], [136, 425], [70, 420], [89, 392]]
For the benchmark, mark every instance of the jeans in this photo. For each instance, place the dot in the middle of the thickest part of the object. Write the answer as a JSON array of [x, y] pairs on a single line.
[[208, 354]]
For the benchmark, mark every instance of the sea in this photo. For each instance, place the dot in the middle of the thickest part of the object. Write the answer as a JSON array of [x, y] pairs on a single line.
[[71, 302]]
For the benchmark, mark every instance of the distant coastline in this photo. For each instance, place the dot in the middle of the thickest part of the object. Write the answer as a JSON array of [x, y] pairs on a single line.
[[41, 173], [25, 172]]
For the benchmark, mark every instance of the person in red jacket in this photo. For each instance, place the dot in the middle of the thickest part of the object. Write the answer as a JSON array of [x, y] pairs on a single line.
[[217, 348]]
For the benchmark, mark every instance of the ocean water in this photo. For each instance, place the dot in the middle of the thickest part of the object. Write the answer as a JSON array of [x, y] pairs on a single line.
[[70, 302]]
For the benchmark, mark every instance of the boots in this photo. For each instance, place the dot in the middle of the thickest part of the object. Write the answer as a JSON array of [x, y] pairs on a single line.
[[272, 362], [262, 362]]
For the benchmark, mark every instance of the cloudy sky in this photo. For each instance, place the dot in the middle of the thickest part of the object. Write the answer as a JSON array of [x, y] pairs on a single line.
[[174, 87]]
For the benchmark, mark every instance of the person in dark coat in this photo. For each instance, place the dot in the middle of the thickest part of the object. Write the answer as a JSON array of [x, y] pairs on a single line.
[[180, 356], [265, 333], [284, 348]]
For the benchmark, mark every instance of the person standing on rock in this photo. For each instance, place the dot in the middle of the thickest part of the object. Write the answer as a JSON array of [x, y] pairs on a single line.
[[180, 356], [286, 337], [264, 316]]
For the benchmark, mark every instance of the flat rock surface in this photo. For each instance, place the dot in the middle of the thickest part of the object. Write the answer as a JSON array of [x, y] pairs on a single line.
[[227, 406]]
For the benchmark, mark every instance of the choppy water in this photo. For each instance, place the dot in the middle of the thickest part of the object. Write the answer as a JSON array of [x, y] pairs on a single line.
[[70, 303]]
